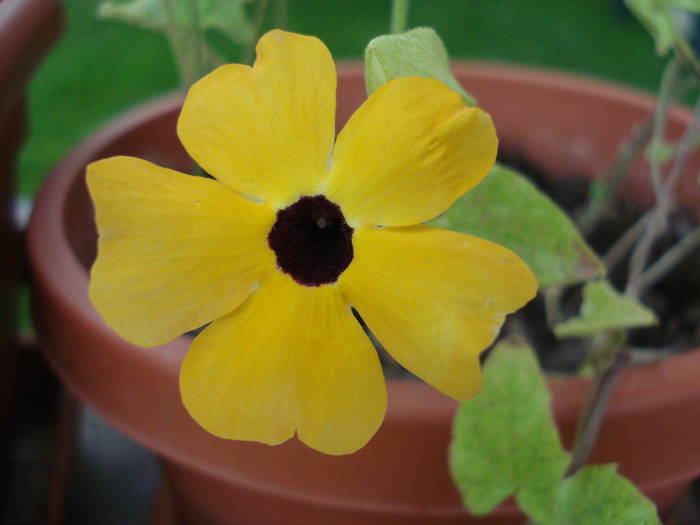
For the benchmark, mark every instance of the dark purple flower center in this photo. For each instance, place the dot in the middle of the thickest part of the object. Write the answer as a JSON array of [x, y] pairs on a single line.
[[312, 241]]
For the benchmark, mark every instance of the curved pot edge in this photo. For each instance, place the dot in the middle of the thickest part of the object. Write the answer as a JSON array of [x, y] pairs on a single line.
[[135, 116]]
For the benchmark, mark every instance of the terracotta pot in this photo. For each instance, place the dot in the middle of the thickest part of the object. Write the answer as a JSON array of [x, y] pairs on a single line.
[[28, 28], [568, 125]]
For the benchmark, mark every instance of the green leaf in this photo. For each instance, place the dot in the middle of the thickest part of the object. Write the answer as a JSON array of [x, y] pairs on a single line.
[[659, 151], [597, 495], [505, 442], [508, 209], [418, 52], [657, 20], [605, 309], [692, 6], [227, 16], [665, 20]]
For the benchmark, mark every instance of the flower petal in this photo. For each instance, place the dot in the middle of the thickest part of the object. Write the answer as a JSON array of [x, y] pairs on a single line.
[[292, 357], [266, 131], [435, 299], [409, 151], [175, 251]]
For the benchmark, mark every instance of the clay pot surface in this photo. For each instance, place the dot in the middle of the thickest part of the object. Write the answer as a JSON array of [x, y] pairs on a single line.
[[565, 124], [28, 29]]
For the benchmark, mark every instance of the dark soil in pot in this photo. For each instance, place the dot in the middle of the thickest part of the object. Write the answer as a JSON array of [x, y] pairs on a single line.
[[675, 299]]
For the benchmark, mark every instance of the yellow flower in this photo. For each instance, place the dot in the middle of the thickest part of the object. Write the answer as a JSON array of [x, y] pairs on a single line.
[[277, 250]]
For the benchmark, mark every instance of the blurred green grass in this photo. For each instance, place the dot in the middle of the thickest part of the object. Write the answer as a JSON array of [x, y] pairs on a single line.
[[100, 68]]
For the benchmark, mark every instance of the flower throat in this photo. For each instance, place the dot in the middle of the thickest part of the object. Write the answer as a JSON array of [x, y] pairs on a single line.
[[312, 241]]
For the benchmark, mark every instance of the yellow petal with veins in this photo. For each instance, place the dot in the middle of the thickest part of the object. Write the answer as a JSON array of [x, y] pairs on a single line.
[[408, 153], [435, 299], [174, 251], [290, 358], [266, 131]]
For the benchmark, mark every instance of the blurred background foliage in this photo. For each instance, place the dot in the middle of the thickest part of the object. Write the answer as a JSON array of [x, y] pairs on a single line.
[[101, 67]]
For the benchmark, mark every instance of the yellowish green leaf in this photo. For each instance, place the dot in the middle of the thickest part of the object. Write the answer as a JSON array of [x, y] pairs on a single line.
[[605, 309], [508, 209], [227, 16], [418, 52], [505, 442], [667, 21], [659, 151], [598, 495]]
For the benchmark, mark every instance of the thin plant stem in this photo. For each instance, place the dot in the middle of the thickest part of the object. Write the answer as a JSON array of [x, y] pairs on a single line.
[[646, 357], [666, 93], [258, 20], [625, 243], [175, 38], [197, 40], [682, 86], [613, 357], [593, 411], [669, 260], [597, 207], [686, 57], [664, 202], [281, 14], [187, 43], [552, 304], [399, 15]]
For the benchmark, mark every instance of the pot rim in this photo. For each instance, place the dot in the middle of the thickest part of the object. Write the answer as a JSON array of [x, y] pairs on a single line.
[[642, 388]]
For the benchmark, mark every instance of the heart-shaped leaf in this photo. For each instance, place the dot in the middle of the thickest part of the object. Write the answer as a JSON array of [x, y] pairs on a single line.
[[667, 21], [227, 16], [508, 209], [605, 309], [598, 495], [418, 52], [505, 442]]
